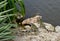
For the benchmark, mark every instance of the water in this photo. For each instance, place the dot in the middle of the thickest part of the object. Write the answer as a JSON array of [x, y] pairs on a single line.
[[49, 9]]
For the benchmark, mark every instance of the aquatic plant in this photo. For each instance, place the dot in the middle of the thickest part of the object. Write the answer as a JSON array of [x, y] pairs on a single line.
[[9, 11], [20, 7], [5, 32], [17, 8]]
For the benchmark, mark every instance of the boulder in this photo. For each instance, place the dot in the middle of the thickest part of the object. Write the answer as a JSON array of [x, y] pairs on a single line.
[[49, 27], [41, 34], [57, 28], [35, 20], [37, 25], [27, 28], [32, 20]]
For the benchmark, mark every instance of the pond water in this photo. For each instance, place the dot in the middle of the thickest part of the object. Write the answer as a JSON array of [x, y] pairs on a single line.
[[49, 9]]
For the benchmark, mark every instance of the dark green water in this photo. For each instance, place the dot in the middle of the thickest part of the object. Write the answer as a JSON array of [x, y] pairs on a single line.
[[49, 9]]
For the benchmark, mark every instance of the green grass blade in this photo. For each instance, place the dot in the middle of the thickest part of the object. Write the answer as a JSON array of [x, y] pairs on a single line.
[[7, 15], [1, 19], [6, 33], [4, 27], [3, 5], [3, 2], [22, 8], [6, 11], [7, 38]]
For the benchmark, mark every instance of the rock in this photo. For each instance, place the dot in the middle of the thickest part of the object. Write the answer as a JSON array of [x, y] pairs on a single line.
[[35, 20], [28, 28], [57, 28], [40, 29], [42, 34], [37, 25], [52, 36], [49, 27], [32, 20]]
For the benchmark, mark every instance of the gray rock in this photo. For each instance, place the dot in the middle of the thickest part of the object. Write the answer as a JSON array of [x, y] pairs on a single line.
[[47, 36], [49, 27], [28, 28], [42, 35], [57, 28], [32, 20]]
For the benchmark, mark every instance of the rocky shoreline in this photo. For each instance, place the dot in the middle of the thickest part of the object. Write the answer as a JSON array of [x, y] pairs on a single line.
[[38, 31]]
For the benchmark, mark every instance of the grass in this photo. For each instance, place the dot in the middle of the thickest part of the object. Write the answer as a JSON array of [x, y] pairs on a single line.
[[10, 8], [8, 12], [5, 32]]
